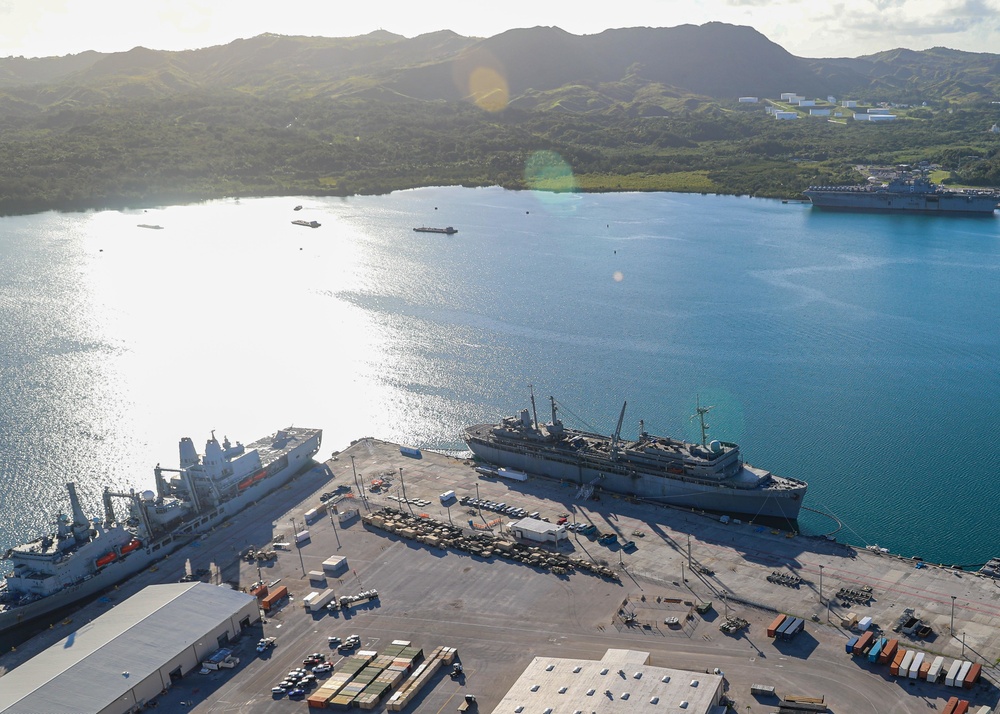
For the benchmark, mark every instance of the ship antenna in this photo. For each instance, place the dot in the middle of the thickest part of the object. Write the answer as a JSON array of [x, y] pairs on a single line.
[[701, 412], [534, 412]]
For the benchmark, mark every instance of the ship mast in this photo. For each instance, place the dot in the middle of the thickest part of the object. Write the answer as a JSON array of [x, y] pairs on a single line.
[[534, 412], [701, 412]]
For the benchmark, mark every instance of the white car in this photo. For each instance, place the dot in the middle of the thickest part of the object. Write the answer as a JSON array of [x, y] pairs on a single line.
[[322, 668]]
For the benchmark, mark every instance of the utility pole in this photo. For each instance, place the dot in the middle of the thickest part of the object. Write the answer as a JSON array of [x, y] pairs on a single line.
[[821, 585], [952, 615], [689, 552]]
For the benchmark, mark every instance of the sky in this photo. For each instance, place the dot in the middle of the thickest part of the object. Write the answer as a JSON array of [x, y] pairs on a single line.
[[807, 28]]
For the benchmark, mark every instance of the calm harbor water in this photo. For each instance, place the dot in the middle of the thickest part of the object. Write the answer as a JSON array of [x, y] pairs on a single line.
[[860, 353]]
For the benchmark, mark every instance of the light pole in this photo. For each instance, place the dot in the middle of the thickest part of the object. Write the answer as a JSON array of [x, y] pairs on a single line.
[[821, 585], [952, 615], [963, 645], [725, 603]]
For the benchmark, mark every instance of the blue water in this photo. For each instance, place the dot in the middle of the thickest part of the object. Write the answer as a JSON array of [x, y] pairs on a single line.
[[858, 352]]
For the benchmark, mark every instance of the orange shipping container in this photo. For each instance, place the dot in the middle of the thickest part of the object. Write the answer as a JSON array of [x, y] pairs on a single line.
[[773, 627], [925, 667], [888, 652], [963, 707], [273, 597], [260, 593], [949, 708]]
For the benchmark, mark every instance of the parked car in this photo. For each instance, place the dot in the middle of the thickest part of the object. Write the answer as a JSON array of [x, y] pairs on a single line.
[[297, 694], [334, 641], [322, 668]]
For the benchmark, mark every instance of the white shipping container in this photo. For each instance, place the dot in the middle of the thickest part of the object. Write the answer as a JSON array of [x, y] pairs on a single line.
[[307, 601], [904, 666], [322, 600], [935, 671], [953, 672], [512, 475], [960, 677], [915, 665], [447, 496], [864, 623], [302, 536]]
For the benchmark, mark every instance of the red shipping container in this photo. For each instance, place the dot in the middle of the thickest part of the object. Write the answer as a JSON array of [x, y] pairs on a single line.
[[888, 652]]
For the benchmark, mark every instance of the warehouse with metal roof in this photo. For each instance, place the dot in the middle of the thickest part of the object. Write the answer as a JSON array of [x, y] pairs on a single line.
[[622, 681], [130, 654]]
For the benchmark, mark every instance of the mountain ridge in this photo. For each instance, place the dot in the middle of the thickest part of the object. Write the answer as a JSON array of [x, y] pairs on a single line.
[[714, 60]]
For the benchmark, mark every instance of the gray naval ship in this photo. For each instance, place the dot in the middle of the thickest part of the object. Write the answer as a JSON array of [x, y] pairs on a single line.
[[906, 192], [707, 476], [84, 557]]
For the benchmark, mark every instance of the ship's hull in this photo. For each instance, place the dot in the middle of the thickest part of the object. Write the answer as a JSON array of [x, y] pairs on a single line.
[[941, 204], [139, 559], [765, 502]]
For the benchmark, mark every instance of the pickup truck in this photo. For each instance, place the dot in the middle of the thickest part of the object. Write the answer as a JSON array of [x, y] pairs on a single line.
[[468, 703]]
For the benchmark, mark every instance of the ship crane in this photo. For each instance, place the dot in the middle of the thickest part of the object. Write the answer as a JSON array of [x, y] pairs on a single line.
[[109, 511], [618, 433], [700, 415]]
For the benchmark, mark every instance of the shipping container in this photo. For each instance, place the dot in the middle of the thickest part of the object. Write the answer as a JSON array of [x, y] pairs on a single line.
[[312, 515], [953, 670], [410, 451], [949, 707], [963, 707], [772, 629], [849, 645], [888, 652], [897, 661], [973, 676], [322, 600], [904, 666], [984, 710], [308, 599], [925, 667], [915, 664], [873, 653], [302, 536], [762, 690], [447, 496], [780, 632], [512, 475], [864, 623], [259, 592], [272, 599], [934, 673], [795, 628], [962, 673], [864, 641]]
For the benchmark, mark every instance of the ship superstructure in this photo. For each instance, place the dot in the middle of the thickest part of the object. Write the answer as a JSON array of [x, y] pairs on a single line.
[[710, 476], [83, 557], [906, 192]]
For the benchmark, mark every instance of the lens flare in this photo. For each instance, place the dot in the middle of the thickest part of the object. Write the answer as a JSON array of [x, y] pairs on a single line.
[[481, 78], [617, 276], [548, 171]]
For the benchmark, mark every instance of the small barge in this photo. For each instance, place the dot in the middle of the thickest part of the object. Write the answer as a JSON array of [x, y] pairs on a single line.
[[447, 231]]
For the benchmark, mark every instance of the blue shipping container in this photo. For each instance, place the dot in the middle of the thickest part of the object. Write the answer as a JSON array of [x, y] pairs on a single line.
[[849, 647]]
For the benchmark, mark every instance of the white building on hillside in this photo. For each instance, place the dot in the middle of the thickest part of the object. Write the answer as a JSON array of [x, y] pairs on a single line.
[[749, 100]]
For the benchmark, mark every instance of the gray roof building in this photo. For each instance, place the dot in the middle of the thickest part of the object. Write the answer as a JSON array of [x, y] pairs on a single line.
[[130, 654]]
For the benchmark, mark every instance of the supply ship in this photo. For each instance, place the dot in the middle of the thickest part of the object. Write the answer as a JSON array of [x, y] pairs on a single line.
[[905, 193], [84, 557], [707, 476]]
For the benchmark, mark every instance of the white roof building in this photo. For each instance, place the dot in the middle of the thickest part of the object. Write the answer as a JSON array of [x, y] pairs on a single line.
[[621, 681], [786, 115], [131, 653], [538, 530]]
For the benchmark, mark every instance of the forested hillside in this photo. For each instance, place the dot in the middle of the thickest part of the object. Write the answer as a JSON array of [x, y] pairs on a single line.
[[637, 109]]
